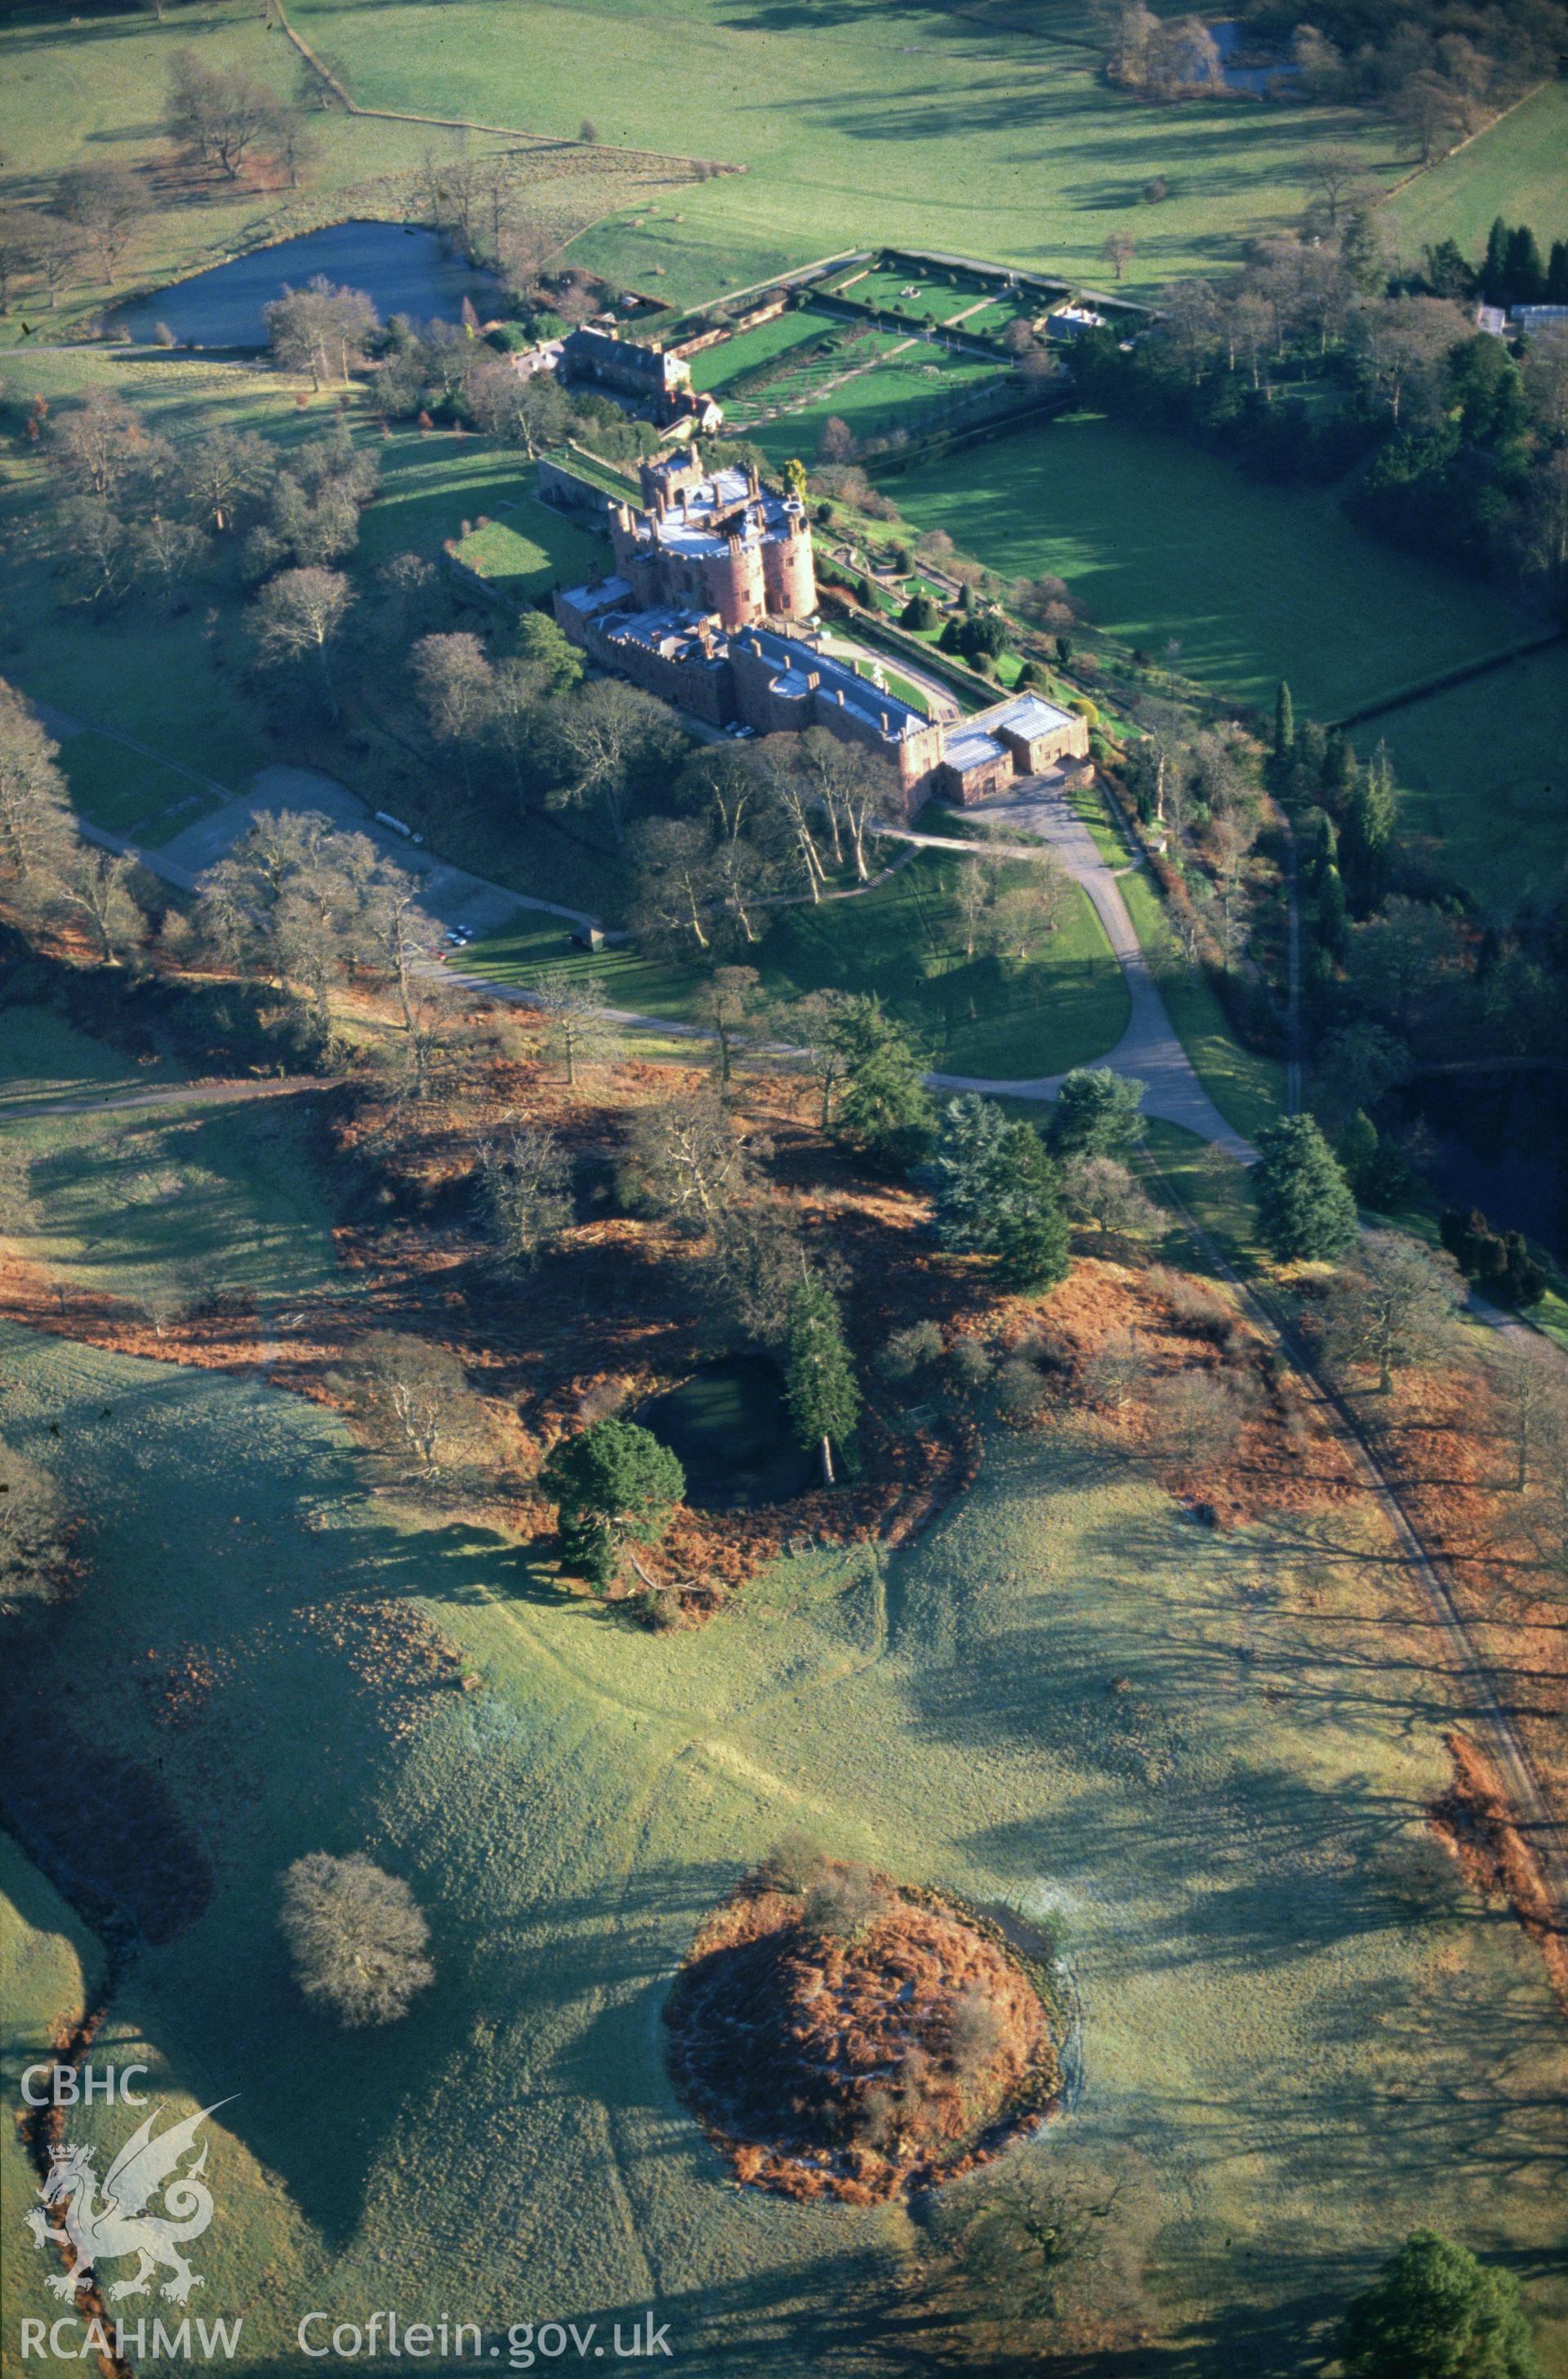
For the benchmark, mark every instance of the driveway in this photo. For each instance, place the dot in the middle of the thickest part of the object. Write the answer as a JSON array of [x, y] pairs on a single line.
[[1148, 1048], [450, 896]]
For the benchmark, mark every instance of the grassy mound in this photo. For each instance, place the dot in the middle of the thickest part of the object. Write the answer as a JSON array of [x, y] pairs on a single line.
[[840, 2037]]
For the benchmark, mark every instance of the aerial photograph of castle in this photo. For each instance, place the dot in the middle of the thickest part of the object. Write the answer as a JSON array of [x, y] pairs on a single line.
[[784, 1189]]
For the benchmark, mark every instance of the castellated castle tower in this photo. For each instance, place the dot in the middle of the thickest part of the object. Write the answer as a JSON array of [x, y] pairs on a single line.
[[720, 544]]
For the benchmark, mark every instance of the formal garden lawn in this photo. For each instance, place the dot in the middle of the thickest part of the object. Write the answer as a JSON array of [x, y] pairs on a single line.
[[905, 391], [904, 941], [1293, 2049], [531, 548], [716, 366]]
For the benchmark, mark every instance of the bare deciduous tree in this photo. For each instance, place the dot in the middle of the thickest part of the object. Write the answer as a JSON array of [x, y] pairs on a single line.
[[413, 1403], [524, 1178], [357, 1938], [1097, 1189], [297, 616], [1393, 1305], [688, 1159], [37, 826]]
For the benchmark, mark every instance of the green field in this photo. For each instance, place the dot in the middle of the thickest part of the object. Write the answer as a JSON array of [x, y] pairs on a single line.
[[961, 132], [1514, 169], [530, 549], [129, 793], [92, 86], [1483, 772], [716, 366], [902, 941], [50, 1966], [906, 392], [224, 1196], [1162, 541]]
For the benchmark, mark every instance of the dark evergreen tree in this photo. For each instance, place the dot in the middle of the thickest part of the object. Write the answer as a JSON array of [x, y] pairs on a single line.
[[1033, 1240], [1556, 274], [884, 1106], [1097, 1114], [1494, 270], [820, 1388], [1305, 1210], [1367, 845], [615, 1485], [1523, 273], [1436, 2312], [1339, 766], [1285, 722]]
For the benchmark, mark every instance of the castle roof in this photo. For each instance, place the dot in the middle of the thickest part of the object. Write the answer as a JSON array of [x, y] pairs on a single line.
[[792, 660], [970, 747], [1029, 715], [699, 520], [673, 636]]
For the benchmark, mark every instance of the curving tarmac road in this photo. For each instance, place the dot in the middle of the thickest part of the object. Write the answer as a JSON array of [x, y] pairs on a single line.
[[1149, 1048]]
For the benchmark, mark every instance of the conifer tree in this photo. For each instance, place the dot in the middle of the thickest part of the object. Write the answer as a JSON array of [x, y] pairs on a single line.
[[1285, 723], [1523, 273], [884, 1105], [819, 1385], [1305, 1210], [1032, 1240], [1494, 270], [1339, 764], [1367, 850]]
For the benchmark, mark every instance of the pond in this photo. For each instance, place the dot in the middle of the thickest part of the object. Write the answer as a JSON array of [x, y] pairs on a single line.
[[403, 267], [728, 1426], [1230, 39]]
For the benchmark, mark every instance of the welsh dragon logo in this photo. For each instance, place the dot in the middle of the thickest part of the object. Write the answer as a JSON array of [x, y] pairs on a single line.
[[100, 2224]]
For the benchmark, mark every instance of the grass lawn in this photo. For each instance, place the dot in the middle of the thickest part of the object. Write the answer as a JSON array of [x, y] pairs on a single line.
[[1514, 169], [927, 131], [899, 394], [1161, 539], [716, 366], [42, 1056], [902, 941], [531, 548], [226, 1196], [50, 1966], [1483, 774], [128, 793], [1220, 1843]]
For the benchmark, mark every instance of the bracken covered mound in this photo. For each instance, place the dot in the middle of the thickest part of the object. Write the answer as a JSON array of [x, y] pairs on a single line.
[[838, 2036]]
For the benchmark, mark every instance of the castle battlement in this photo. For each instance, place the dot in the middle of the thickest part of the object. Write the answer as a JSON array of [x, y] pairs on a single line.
[[714, 541]]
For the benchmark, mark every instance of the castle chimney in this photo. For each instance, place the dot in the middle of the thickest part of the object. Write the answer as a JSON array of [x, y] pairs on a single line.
[[840, 693], [885, 728]]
